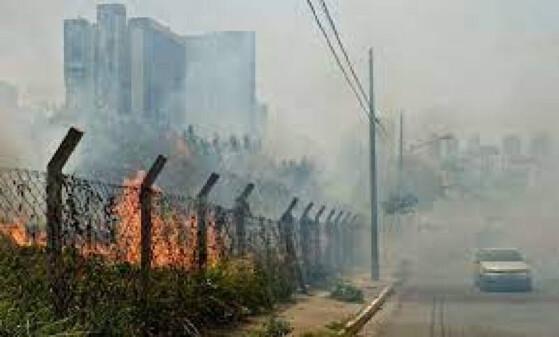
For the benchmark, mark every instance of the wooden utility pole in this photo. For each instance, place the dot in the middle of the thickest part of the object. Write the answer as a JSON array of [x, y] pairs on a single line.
[[375, 275]]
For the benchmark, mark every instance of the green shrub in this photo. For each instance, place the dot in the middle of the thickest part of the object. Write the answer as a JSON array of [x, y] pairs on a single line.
[[346, 292], [273, 327], [105, 299], [336, 325]]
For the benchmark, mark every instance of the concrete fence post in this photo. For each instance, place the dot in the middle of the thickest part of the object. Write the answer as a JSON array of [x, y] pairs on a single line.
[[201, 225], [145, 198], [240, 212], [54, 217], [351, 232], [329, 236], [316, 234], [343, 248], [287, 224], [336, 242], [305, 239]]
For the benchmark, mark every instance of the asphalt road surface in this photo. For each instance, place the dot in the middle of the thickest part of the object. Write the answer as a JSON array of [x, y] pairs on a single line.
[[440, 300], [450, 310]]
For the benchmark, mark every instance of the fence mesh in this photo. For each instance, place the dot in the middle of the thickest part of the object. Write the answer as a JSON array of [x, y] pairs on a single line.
[[101, 226], [23, 204]]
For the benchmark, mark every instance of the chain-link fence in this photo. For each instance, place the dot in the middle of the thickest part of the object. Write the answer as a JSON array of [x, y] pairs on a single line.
[[23, 205], [103, 225]]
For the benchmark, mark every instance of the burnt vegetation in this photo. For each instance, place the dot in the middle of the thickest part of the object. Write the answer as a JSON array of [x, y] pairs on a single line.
[[86, 257]]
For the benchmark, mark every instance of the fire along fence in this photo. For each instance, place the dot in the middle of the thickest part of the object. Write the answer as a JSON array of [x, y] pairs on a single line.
[[136, 224]]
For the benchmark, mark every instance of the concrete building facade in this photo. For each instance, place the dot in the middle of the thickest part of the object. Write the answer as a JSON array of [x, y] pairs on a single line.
[[112, 80], [79, 63], [221, 81], [512, 146], [121, 68], [157, 69]]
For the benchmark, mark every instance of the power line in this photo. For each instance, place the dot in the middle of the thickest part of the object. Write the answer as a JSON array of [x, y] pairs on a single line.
[[342, 48], [361, 97], [348, 60], [337, 58]]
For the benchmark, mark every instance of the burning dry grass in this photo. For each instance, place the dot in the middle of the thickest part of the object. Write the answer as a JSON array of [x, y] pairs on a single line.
[[19, 234], [100, 278], [173, 234]]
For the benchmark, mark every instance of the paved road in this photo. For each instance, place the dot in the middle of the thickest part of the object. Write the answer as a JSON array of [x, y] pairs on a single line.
[[459, 310], [439, 299]]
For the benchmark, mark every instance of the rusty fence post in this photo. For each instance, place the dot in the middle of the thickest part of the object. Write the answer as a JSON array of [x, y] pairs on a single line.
[[220, 223], [201, 225], [352, 231], [287, 224], [266, 226], [54, 217], [240, 212], [343, 247], [146, 223], [329, 236], [284, 227], [336, 242]]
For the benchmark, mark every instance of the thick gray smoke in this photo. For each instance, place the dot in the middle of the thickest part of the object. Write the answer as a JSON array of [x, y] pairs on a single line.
[[485, 67], [474, 64]]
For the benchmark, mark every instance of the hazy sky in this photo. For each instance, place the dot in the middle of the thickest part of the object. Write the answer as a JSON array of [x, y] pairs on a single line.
[[463, 64]]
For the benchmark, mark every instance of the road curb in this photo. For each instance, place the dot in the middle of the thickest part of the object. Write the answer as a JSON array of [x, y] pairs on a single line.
[[358, 322]]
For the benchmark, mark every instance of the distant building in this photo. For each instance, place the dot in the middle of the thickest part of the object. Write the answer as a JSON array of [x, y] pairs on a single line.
[[126, 68], [540, 146], [435, 148], [489, 159], [452, 147], [220, 81], [112, 79], [8, 97], [512, 146], [157, 69], [79, 63], [474, 145]]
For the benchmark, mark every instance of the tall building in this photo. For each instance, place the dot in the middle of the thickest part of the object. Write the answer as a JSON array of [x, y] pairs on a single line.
[[79, 63], [512, 146], [112, 79], [220, 81], [139, 68], [473, 144], [157, 71]]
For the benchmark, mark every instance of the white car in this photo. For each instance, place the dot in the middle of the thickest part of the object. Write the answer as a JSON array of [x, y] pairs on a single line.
[[502, 269]]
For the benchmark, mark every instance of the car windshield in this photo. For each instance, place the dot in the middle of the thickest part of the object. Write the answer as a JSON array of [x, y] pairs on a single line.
[[499, 255]]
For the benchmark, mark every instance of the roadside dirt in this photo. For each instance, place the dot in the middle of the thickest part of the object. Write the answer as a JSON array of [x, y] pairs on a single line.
[[314, 311]]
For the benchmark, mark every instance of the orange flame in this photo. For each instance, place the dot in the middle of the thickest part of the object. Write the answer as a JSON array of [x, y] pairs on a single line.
[[173, 233]]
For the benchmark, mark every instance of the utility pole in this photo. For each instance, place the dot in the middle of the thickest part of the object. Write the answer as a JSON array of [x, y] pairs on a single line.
[[375, 275]]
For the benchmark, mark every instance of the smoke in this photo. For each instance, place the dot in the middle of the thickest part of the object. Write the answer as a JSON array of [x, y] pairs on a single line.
[[466, 66], [490, 61]]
